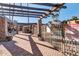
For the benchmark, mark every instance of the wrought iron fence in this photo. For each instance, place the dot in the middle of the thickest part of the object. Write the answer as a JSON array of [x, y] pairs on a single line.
[[63, 41]]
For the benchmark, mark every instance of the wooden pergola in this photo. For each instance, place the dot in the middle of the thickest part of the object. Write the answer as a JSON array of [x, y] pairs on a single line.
[[27, 11]]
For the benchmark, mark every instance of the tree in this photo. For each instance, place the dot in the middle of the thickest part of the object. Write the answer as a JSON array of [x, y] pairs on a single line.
[[64, 22], [74, 18]]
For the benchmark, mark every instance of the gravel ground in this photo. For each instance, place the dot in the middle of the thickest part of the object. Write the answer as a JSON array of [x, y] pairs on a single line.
[[25, 45]]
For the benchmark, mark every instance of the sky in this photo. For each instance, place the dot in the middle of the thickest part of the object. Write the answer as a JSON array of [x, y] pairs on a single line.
[[71, 10]]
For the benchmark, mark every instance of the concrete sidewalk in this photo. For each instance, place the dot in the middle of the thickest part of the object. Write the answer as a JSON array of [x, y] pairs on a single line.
[[26, 45]]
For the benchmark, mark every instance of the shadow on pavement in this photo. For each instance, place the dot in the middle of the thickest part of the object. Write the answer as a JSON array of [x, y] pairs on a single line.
[[15, 50], [46, 46], [35, 49]]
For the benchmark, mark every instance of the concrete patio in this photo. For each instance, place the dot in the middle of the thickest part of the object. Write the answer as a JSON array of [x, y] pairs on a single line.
[[24, 44]]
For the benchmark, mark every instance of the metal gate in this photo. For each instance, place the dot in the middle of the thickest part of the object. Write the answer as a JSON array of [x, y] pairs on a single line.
[[54, 37]]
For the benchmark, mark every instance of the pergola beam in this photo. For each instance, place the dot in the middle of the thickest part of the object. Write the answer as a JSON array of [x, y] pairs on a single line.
[[49, 4], [6, 9], [18, 15], [53, 9], [5, 12], [23, 7]]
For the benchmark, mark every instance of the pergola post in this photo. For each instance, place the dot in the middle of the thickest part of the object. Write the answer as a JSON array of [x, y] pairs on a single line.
[[39, 25]]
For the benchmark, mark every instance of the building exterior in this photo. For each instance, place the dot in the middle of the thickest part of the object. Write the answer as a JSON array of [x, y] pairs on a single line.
[[27, 27], [7, 29]]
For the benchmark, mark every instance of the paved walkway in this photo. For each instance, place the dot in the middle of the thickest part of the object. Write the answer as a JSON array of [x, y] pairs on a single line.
[[26, 45]]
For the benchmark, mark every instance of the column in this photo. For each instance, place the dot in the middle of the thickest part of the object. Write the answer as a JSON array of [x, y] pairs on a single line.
[[39, 24]]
